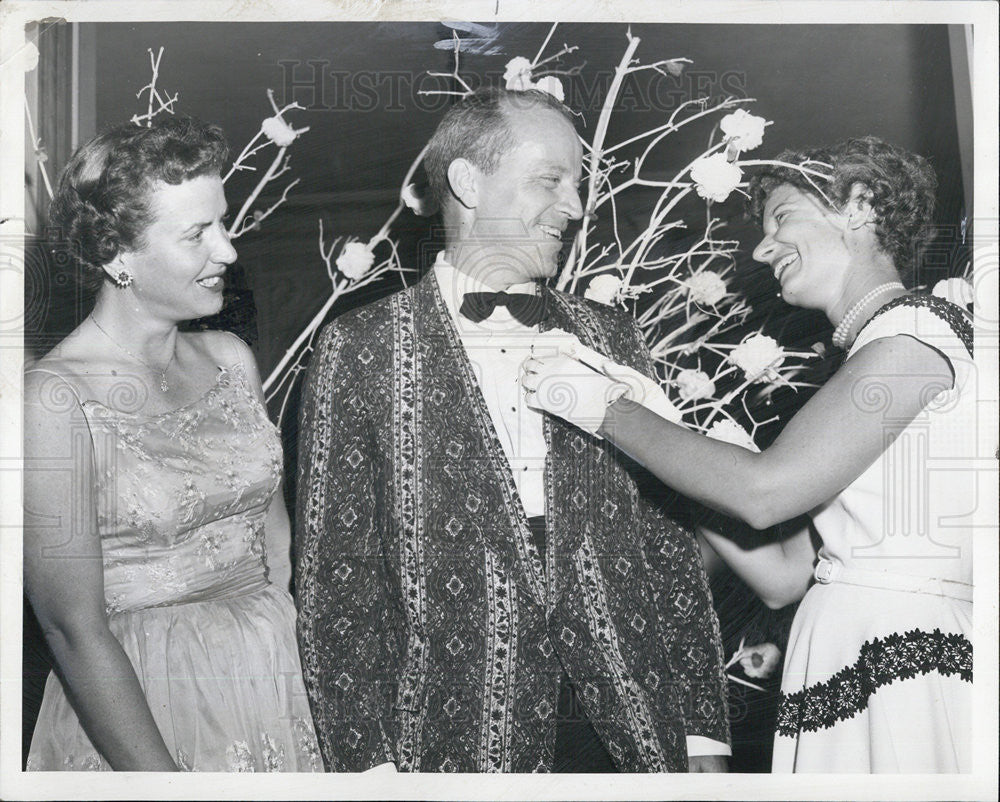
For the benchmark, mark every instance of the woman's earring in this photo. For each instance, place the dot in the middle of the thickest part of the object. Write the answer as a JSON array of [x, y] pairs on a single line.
[[123, 279]]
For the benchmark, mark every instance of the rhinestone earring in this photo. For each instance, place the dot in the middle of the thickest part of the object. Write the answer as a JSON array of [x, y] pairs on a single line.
[[123, 279]]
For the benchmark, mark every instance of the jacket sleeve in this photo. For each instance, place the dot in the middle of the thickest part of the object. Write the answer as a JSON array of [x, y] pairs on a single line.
[[689, 620], [684, 601], [346, 621]]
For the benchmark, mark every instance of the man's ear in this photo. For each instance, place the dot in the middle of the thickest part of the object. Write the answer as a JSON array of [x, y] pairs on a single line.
[[463, 182], [859, 207]]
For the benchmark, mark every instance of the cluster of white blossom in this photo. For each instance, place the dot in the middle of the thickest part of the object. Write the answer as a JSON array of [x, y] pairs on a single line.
[[517, 77]]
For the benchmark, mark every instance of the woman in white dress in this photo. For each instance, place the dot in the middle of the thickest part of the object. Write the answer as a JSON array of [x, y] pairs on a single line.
[[878, 672], [156, 542]]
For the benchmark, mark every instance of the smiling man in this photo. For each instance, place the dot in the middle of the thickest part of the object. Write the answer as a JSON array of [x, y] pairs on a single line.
[[482, 587]]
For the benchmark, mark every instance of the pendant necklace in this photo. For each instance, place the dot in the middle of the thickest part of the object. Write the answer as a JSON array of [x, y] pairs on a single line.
[[163, 373]]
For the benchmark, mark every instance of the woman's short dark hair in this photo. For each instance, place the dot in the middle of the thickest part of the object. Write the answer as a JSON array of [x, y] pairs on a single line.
[[477, 128], [902, 187], [102, 204]]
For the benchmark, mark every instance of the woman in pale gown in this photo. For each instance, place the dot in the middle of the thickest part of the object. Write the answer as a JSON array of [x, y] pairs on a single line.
[[878, 673], [156, 543]]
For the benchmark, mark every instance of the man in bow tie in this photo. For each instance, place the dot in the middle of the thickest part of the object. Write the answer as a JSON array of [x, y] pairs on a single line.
[[483, 587]]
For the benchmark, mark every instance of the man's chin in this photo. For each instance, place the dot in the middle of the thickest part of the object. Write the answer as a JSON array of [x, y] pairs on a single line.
[[546, 269]]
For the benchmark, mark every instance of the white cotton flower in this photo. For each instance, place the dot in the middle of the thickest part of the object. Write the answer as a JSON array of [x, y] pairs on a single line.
[[417, 201], [355, 260], [552, 86], [714, 177], [278, 131], [758, 356], [744, 131], [517, 75], [706, 287], [957, 290], [604, 289], [727, 431], [694, 384], [760, 661]]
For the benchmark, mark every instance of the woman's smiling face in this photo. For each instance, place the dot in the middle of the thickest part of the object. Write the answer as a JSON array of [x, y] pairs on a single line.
[[804, 245], [179, 270]]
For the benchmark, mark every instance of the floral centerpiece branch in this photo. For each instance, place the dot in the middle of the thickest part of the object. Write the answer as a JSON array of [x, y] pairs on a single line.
[[278, 132], [545, 43], [258, 216], [27, 56], [760, 358], [579, 245], [356, 268], [808, 173], [355, 263], [538, 61], [739, 656], [273, 130], [356, 259], [731, 319], [453, 75], [163, 104], [41, 157]]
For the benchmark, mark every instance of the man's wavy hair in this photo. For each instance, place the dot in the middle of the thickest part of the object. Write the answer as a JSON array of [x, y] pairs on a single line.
[[102, 205], [902, 187], [477, 128]]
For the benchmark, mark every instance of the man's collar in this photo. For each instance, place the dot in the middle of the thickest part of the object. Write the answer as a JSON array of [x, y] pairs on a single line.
[[454, 283]]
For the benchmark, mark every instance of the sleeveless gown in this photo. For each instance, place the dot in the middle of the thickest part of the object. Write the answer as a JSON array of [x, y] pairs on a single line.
[[878, 674], [182, 499]]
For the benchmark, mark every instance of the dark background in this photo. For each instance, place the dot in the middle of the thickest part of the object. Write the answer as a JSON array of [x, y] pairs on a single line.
[[360, 85]]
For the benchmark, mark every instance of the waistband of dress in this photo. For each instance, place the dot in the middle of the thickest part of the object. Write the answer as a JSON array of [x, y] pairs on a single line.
[[828, 572], [235, 589]]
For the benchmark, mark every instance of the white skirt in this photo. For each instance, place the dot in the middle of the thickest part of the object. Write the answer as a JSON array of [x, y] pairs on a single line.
[[876, 681]]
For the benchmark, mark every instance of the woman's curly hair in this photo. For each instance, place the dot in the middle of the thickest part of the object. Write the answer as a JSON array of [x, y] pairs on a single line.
[[902, 187], [102, 204]]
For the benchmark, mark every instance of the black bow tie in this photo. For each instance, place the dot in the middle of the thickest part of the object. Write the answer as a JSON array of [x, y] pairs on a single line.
[[528, 310]]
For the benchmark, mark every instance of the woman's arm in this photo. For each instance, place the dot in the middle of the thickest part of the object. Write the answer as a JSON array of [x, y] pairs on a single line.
[[833, 439], [278, 542], [64, 579], [277, 528], [777, 566]]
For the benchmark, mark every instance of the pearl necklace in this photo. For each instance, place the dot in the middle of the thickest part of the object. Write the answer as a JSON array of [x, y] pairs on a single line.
[[844, 326], [163, 373]]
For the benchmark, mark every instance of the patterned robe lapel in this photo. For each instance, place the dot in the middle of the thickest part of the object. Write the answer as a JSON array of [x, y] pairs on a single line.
[[441, 350], [575, 457]]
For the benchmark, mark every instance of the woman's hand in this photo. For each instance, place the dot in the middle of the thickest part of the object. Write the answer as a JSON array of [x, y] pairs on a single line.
[[565, 387], [577, 383], [643, 391]]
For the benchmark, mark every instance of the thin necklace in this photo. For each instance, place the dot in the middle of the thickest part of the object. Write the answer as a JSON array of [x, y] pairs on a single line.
[[163, 373], [844, 326]]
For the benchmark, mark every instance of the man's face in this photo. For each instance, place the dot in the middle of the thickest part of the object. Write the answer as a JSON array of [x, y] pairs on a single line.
[[523, 208]]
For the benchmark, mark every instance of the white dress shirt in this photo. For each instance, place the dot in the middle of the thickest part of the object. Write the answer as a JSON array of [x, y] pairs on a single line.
[[496, 347]]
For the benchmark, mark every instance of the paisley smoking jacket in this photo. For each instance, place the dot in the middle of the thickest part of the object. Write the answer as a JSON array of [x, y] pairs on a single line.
[[432, 634]]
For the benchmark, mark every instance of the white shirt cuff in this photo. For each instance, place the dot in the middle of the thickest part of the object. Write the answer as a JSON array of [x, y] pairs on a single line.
[[699, 745]]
